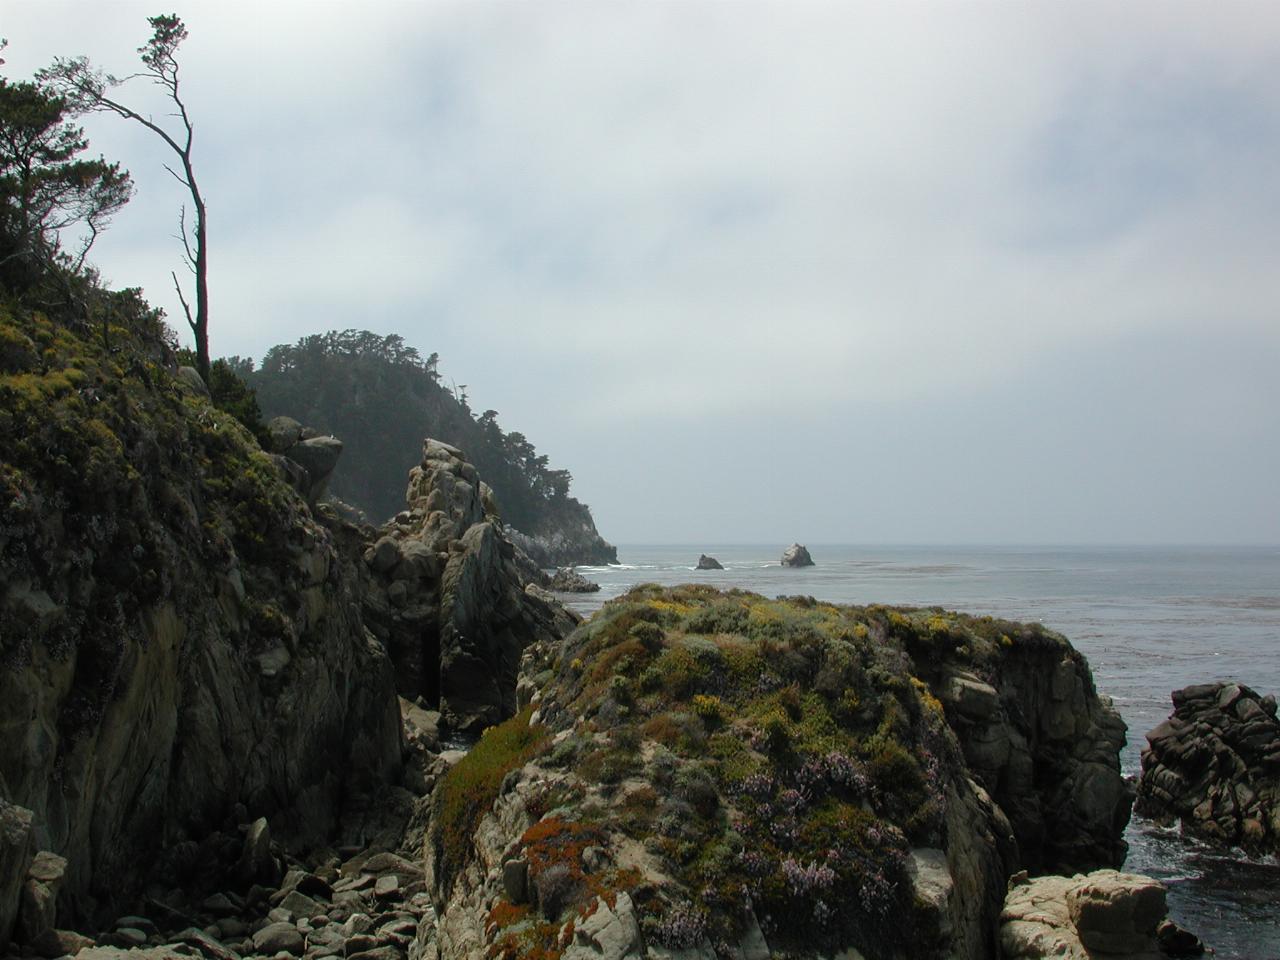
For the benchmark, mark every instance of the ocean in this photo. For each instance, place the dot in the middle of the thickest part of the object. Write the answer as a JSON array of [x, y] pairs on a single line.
[[1150, 621]]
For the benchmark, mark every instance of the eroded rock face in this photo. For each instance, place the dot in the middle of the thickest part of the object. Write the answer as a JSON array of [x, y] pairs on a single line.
[[179, 636], [451, 596], [1040, 738], [568, 580], [1214, 765]]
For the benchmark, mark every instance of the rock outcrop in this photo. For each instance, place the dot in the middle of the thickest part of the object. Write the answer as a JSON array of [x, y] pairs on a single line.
[[796, 556], [1034, 732], [566, 540], [569, 580], [708, 563], [179, 634], [1214, 766], [449, 595], [695, 772], [1083, 917], [311, 457]]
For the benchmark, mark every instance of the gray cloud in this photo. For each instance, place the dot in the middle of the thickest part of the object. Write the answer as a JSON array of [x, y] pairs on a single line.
[[761, 271]]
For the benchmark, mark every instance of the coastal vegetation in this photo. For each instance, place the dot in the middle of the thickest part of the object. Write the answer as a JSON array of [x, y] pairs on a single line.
[[381, 397]]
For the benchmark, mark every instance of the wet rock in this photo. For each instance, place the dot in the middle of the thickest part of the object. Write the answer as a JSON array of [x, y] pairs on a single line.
[[1214, 766], [708, 563]]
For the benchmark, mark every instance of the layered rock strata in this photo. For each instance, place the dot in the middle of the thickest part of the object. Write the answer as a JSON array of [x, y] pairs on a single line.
[[179, 633], [451, 597], [1214, 766]]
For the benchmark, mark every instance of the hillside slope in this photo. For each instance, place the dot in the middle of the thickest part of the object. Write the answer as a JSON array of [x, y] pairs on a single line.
[[382, 398]]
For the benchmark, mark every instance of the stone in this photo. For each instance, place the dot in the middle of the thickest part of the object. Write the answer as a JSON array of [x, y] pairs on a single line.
[[126, 937], [1117, 912], [796, 556], [708, 563], [300, 905], [318, 456], [515, 880], [189, 377], [283, 433], [386, 554], [387, 887], [1174, 941], [608, 934], [971, 698], [38, 902], [60, 943], [256, 861], [568, 580], [17, 847], [278, 937], [220, 905]]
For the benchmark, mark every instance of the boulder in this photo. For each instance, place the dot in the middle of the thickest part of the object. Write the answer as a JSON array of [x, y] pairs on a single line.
[[709, 563], [1087, 916], [38, 904], [318, 456], [283, 433], [796, 556], [1214, 767], [279, 937], [17, 847], [568, 580]]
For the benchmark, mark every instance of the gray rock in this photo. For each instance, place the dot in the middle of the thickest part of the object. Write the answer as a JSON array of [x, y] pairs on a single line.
[[17, 847], [189, 377], [515, 880], [37, 904], [796, 556], [283, 432], [300, 905], [256, 861], [318, 456], [608, 934], [387, 887], [60, 943], [709, 563], [278, 937], [1117, 912]]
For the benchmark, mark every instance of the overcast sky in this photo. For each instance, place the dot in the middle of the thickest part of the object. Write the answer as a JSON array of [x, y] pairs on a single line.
[[758, 272]]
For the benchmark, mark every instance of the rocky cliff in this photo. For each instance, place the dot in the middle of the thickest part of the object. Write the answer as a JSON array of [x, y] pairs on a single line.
[[698, 774], [452, 598], [182, 641]]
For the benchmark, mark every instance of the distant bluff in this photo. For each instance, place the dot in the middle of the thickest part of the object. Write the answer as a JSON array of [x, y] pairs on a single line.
[[381, 397], [700, 774]]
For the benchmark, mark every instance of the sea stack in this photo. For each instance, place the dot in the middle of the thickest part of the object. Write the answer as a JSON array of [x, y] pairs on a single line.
[[796, 556], [708, 563]]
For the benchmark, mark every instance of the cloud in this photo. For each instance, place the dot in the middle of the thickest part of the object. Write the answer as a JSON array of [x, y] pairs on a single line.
[[677, 219]]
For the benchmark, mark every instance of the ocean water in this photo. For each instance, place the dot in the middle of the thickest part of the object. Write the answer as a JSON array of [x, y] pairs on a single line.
[[1150, 621]]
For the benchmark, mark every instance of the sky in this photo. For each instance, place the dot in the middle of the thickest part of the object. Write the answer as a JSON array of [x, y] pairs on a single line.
[[759, 272]]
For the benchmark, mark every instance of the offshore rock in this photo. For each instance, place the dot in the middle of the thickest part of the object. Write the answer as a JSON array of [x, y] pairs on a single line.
[[446, 592], [1214, 766], [708, 563], [568, 580], [796, 556], [820, 774]]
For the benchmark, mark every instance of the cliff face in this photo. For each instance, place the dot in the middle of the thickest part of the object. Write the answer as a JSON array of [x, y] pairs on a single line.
[[700, 774], [179, 633], [450, 595]]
